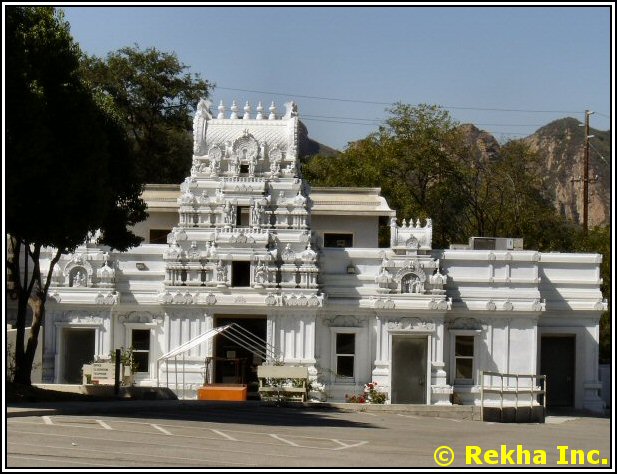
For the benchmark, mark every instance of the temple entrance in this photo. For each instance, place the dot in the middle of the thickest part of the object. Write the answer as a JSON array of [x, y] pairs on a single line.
[[557, 363], [78, 350], [233, 363], [408, 371]]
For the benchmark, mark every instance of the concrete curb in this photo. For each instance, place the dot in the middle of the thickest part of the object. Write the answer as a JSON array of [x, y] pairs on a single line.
[[131, 406]]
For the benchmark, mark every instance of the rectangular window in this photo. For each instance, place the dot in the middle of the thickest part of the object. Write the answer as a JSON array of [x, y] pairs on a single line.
[[140, 342], [240, 274], [243, 216], [159, 236], [345, 355], [463, 359], [338, 240]]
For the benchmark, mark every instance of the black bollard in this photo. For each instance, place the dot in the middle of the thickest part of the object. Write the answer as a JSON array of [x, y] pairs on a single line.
[[117, 373]]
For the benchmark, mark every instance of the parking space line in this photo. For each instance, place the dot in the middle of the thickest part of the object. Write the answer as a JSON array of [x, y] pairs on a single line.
[[47, 420], [161, 429], [345, 445], [291, 443], [224, 435], [38, 458], [104, 425], [408, 416]]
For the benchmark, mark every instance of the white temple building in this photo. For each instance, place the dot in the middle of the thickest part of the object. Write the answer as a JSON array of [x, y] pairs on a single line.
[[245, 239]]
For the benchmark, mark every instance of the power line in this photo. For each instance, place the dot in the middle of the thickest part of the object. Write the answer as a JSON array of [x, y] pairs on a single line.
[[337, 99], [598, 153]]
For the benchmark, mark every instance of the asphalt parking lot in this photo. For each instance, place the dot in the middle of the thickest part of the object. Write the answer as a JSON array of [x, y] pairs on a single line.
[[276, 437]]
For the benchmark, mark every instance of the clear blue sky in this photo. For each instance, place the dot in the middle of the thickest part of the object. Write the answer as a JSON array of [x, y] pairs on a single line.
[[533, 58]]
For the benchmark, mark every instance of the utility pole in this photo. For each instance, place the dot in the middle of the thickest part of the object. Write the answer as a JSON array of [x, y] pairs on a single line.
[[586, 174], [585, 178]]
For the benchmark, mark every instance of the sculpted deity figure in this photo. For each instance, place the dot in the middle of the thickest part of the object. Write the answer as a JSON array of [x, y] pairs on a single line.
[[221, 271], [200, 123], [228, 214], [261, 273], [79, 279], [256, 214]]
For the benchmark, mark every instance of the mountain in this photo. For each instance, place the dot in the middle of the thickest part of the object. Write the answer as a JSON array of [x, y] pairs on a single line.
[[309, 147], [486, 143], [560, 145]]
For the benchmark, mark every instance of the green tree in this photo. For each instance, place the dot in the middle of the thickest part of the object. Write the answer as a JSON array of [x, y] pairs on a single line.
[[70, 167], [155, 97], [413, 158], [507, 196], [598, 240]]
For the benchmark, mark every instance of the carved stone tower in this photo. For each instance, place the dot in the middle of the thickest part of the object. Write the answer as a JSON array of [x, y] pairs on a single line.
[[244, 226]]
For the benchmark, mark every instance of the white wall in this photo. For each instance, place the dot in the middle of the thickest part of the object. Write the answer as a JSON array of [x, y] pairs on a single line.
[[156, 220], [37, 365], [364, 229]]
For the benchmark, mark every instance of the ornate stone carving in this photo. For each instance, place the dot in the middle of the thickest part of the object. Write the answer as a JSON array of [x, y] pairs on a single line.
[[491, 306], [508, 306], [271, 300], [537, 305], [314, 301], [75, 317], [381, 303], [288, 255], [140, 317], [240, 300], [246, 147], [210, 299], [411, 324], [200, 124], [109, 298]]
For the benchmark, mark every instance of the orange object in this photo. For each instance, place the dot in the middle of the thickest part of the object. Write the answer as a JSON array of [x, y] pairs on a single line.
[[230, 392]]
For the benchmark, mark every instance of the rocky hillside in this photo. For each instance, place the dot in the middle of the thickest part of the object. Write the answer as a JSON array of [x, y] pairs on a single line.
[[560, 145], [310, 147]]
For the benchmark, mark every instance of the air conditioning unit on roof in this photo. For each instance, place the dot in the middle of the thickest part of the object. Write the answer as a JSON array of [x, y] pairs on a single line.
[[495, 243]]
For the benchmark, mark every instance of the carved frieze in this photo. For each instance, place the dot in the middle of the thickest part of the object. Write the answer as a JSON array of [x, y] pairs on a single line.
[[410, 324], [107, 298], [141, 317]]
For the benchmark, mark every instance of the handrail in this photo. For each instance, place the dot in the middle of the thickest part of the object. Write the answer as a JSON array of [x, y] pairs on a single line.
[[532, 391]]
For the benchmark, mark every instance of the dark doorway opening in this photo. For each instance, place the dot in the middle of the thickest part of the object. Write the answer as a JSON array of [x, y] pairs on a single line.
[[234, 363], [409, 359], [243, 216], [557, 361], [240, 274], [78, 350]]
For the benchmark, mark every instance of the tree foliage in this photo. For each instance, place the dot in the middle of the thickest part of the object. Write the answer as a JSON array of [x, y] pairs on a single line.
[[70, 164], [425, 168], [155, 97]]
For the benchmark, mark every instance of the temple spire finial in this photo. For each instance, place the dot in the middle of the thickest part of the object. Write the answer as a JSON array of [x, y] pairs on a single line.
[[272, 109], [259, 109], [221, 108], [234, 110], [247, 111]]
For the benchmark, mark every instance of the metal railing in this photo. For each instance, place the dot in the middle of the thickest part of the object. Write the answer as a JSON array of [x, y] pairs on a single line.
[[532, 391]]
